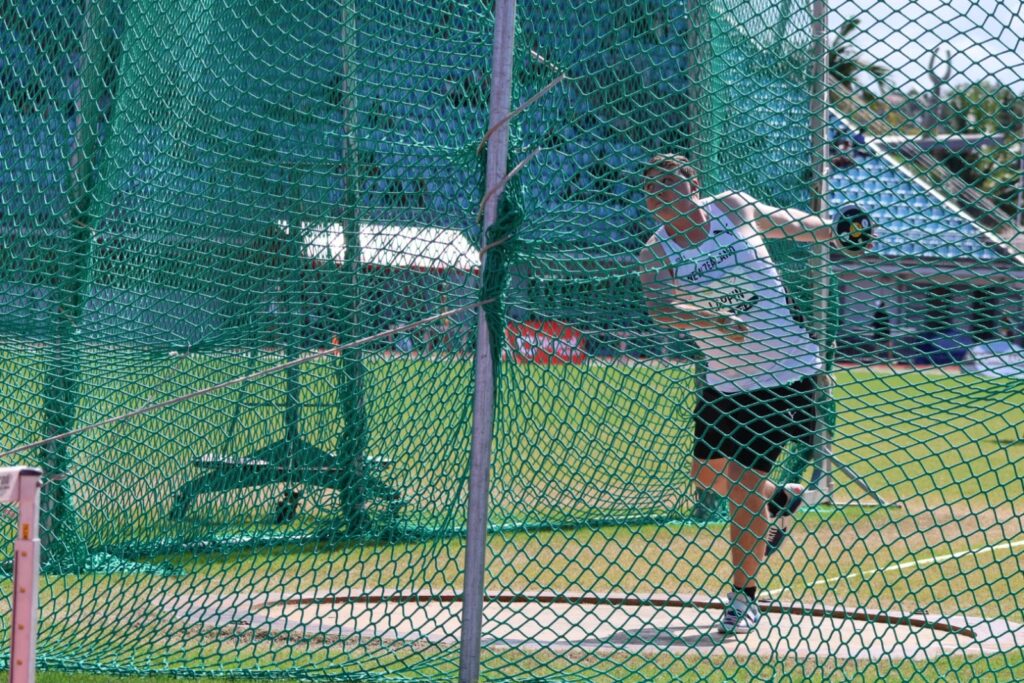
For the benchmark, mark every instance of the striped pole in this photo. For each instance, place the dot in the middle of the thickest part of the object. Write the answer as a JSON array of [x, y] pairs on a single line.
[[21, 485]]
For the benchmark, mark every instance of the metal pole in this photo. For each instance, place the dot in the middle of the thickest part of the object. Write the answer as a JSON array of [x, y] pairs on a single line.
[[822, 483], [822, 480], [707, 503], [21, 485], [1020, 181], [483, 391]]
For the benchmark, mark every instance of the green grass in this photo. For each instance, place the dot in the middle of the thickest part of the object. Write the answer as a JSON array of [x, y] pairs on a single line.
[[575, 449], [60, 677]]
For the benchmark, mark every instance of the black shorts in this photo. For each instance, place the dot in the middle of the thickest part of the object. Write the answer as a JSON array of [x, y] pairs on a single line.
[[752, 427]]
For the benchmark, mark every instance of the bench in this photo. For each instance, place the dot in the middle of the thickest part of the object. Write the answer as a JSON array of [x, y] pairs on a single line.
[[295, 467]]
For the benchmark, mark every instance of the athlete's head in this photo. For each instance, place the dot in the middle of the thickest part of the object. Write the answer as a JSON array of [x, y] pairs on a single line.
[[670, 185]]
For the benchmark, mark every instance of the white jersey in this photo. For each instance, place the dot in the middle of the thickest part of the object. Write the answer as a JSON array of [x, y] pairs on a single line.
[[731, 272]]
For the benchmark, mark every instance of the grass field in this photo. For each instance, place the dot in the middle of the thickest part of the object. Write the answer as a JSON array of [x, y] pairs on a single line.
[[576, 448]]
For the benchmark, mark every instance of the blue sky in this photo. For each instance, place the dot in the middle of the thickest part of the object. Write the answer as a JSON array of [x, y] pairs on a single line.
[[984, 37]]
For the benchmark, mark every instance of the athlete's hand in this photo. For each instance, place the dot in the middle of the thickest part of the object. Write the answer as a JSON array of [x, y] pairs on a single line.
[[728, 324], [734, 327], [854, 229]]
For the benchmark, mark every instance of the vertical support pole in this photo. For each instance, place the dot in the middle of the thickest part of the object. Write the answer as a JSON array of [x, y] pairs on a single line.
[[350, 372], [21, 485], [822, 482], [707, 505], [483, 389], [71, 281], [694, 77], [822, 479], [1020, 179], [712, 100], [292, 325]]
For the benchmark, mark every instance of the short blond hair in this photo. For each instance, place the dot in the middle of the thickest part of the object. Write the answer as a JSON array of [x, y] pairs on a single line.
[[676, 164]]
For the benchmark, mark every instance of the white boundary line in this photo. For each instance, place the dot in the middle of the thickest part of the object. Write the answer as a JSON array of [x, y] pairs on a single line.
[[904, 565]]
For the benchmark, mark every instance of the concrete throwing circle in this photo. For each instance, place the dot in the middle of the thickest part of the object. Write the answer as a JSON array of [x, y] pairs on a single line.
[[608, 623]]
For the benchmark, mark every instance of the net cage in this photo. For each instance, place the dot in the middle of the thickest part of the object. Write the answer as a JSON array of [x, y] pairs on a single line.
[[244, 263]]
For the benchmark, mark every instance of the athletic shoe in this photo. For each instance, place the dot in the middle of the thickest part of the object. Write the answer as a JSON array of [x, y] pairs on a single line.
[[741, 615], [796, 499], [780, 529]]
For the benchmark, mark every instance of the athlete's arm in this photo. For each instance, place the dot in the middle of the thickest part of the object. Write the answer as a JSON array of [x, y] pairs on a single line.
[[794, 224], [773, 222], [664, 303], [850, 230]]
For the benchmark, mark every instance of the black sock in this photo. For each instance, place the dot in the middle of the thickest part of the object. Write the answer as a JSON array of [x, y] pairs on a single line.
[[779, 501], [751, 591]]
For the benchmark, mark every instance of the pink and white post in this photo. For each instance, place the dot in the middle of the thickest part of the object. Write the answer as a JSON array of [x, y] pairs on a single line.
[[21, 485]]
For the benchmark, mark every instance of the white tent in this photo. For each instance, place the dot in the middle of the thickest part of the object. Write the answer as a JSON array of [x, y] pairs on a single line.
[[398, 246]]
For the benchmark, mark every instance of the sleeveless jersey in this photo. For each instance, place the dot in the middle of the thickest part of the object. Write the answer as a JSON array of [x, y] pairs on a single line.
[[731, 272]]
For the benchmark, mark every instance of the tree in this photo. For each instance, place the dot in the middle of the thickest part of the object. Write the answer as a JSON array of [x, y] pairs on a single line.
[[846, 66], [934, 110], [990, 109]]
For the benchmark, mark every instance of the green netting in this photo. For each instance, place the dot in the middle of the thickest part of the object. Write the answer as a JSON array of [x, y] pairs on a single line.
[[240, 279]]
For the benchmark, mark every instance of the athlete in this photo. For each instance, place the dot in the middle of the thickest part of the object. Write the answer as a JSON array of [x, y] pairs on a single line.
[[706, 271]]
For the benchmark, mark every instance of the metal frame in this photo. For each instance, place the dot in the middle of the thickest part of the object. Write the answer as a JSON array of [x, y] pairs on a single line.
[[822, 483], [483, 391], [21, 485]]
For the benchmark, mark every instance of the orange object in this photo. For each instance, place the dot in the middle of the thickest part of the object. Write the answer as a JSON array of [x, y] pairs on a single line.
[[545, 342]]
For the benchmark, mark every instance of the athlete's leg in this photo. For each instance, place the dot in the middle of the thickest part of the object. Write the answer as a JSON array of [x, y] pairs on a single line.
[[713, 474], [748, 508], [748, 491], [724, 425], [738, 437]]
